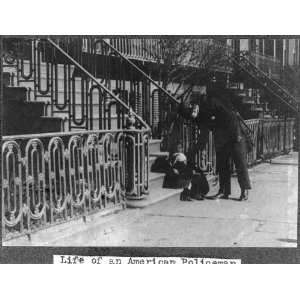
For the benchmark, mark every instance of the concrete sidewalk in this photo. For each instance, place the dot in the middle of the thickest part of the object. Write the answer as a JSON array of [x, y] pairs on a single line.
[[267, 219]]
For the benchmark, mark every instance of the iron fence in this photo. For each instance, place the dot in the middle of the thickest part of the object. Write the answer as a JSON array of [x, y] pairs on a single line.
[[252, 155], [275, 136], [51, 178], [55, 177]]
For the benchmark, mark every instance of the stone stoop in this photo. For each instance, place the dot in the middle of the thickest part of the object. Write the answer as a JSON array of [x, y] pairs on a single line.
[[156, 192], [22, 117]]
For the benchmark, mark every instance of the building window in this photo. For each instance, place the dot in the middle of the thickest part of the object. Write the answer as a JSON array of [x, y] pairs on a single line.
[[279, 50], [261, 46], [236, 45], [252, 45], [269, 47], [287, 43]]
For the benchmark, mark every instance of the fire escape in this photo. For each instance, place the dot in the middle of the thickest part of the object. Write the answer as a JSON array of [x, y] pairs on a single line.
[[265, 82]]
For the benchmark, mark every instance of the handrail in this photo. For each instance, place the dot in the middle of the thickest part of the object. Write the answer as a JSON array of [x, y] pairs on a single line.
[[94, 79], [62, 134], [138, 69]]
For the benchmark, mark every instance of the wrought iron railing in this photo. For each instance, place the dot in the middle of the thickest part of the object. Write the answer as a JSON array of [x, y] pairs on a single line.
[[77, 76], [145, 49], [48, 178], [252, 156], [145, 95], [51, 178], [59, 75], [128, 80], [204, 156], [270, 138], [194, 50], [275, 136]]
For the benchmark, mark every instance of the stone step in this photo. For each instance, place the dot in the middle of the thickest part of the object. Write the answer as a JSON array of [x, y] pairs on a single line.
[[159, 154], [50, 124], [15, 94], [155, 196], [151, 161], [6, 79], [14, 109], [154, 146], [31, 125], [159, 193], [155, 180]]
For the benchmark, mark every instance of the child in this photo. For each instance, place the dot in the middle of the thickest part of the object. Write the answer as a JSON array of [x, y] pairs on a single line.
[[178, 175], [181, 175]]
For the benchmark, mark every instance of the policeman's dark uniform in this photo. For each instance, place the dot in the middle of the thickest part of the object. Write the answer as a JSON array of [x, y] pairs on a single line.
[[230, 143], [219, 117]]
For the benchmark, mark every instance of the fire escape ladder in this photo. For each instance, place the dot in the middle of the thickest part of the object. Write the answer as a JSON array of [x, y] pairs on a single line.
[[244, 64]]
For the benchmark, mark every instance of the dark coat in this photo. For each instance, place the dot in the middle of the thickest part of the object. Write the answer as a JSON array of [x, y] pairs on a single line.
[[224, 123], [218, 115], [215, 116]]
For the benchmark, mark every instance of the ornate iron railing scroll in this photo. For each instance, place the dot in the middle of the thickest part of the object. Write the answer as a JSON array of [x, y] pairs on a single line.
[[51, 178]]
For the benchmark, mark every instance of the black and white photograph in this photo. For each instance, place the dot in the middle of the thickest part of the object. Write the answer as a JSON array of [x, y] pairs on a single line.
[[145, 142], [150, 141]]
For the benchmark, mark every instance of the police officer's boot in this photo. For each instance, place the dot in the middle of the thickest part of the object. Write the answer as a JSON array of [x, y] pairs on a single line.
[[244, 195]]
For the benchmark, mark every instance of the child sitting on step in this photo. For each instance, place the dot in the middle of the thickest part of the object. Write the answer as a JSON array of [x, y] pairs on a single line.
[[181, 175]]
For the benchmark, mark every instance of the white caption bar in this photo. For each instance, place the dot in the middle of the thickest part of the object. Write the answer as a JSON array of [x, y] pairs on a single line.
[[118, 260]]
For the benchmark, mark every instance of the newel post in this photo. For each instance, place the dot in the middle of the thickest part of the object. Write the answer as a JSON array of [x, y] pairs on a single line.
[[136, 160]]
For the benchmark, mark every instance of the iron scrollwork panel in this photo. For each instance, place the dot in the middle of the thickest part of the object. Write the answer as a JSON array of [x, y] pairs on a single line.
[[76, 183], [57, 177], [13, 205], [35, 180]]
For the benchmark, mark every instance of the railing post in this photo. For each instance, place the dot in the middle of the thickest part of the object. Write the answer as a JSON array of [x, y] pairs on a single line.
[[136, 165], [136, 160], [284, 134]]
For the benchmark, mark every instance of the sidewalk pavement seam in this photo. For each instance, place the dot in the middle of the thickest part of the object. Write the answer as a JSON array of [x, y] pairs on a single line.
[[219, 218]]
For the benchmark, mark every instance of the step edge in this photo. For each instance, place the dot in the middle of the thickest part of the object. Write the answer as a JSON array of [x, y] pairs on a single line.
[[148, 202]]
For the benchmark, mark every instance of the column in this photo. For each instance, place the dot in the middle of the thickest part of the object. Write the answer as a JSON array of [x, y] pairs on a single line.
[[284, 53]]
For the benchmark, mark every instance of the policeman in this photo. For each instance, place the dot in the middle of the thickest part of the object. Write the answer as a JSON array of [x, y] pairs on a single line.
[[216, 112]]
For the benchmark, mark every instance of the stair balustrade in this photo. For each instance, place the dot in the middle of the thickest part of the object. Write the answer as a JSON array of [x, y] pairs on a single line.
[[156, 105], [49, 178]]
